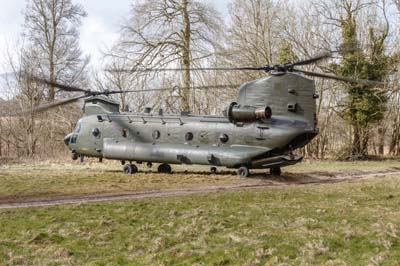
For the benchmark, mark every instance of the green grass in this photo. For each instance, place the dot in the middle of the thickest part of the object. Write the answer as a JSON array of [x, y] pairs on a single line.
[[340, 166], [50, 179], [335, 224]]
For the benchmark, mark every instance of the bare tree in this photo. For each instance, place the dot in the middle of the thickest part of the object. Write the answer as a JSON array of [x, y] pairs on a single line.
[[162, 33], [123, 81], [50, 49], [52, 28], [254, 33]]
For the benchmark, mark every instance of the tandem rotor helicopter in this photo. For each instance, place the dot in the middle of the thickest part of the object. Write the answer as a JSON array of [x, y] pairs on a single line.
[[271, 118]]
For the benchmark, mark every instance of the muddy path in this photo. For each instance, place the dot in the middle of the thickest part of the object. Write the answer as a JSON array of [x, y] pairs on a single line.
[[256, 182]]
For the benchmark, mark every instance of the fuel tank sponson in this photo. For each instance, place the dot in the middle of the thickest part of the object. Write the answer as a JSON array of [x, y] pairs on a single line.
[[179, 153]]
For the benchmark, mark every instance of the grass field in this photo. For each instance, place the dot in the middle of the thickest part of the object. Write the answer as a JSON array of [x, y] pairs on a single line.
[[336, 224], [332, 224], [44, 179]]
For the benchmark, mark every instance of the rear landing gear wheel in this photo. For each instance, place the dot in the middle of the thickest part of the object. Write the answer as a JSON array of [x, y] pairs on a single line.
[[243, 171], [213, 170], [164, 168], [130, 169], [275, 171]]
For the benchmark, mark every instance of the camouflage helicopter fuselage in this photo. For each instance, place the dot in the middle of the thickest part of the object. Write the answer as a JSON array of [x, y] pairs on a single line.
[[240, 138]]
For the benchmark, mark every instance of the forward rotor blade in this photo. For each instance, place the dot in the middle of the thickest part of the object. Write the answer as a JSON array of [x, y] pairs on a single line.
[[95, 93], [312, 60], [345, 79], [144, 70], [57, 104], [60, 86]]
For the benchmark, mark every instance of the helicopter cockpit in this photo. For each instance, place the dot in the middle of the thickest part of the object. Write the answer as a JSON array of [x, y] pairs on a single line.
[[72, 137]]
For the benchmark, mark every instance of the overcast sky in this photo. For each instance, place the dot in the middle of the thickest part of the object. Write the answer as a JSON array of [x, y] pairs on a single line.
[[98, 30]]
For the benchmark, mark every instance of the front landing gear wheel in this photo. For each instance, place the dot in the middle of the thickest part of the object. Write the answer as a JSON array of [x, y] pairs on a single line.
[[275, 171], [213, 170], [243, 171], [164, 168], [130, 169]]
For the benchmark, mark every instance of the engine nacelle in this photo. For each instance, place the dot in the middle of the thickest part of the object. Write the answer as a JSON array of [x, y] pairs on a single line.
[[237, 113]]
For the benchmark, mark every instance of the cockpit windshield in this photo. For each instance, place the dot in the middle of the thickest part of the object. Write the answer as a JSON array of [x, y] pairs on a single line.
[[78, 126]]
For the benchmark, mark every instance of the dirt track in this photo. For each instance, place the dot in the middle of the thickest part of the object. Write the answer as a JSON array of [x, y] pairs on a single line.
[[244, 184]]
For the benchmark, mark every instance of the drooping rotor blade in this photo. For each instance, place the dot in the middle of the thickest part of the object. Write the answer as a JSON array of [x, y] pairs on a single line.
[[13, 112], [312, 60], [345, 79], [89, 93], [93, 93], [57, 104], [266, 68], [60, 86]]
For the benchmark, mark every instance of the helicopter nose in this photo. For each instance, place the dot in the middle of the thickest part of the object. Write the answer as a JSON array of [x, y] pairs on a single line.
[[67, 139]]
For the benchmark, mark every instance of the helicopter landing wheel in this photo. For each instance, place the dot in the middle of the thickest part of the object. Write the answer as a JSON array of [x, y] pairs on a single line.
[[164, 168], [213, 170], [74, 156], [130, 169], [243, 171], [275, 171]]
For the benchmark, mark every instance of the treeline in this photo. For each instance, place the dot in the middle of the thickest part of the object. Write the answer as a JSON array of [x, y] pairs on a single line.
[[355, 120]]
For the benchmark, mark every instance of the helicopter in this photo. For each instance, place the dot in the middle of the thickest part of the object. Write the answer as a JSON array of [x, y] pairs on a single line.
[[271, 118]]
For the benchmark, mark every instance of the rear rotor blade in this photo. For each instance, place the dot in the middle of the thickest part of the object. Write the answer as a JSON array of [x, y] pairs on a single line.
[[312, 60], [144, 70], [345, 79], [266, 68], [168, 89]]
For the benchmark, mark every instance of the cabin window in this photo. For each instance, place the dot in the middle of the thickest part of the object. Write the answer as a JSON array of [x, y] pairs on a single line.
[[125, 133], [224, 138], [156, 134], [189, 136], [292, 107], [96, 132]]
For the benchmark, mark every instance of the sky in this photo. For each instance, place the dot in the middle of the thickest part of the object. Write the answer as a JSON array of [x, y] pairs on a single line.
[[99, 29]]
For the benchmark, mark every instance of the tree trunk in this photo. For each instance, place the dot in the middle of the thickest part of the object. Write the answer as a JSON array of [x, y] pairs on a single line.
[[360, 140], [381, 143], [52, 78], [364, 141], [1, 140], [185, 95], [355, 149], [356, 143], [395, 138]]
